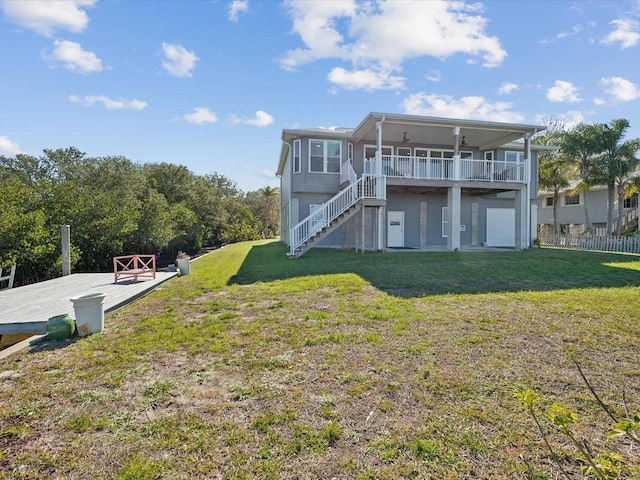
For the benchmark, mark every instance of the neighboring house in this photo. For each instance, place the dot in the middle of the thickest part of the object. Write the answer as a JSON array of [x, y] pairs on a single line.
[[571, 215], [404, 181]]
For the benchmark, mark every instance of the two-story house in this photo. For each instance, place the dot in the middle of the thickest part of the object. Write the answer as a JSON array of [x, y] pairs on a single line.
[[404, 181]]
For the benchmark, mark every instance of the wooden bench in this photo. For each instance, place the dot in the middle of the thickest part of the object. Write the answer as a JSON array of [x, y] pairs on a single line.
[[134, 267], [7, 278]]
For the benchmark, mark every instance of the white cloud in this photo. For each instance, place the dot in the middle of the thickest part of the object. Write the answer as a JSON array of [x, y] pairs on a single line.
[[563, 92], [8, 147], [568, 120], [262, 119], [572, 118], [620, 89], [368, 80], [108, 103], [74, 57], [47, 16], [507, 87], [377, 37], [627, 32], [236, 8], [574, 31], [178, 60], [267, 173], [472, 107], [434, 75], [201, 115]]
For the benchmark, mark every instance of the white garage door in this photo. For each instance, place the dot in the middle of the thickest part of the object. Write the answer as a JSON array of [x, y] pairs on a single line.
[[501, 227]]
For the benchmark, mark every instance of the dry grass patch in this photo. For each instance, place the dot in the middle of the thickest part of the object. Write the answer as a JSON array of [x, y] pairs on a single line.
[[333, 366]]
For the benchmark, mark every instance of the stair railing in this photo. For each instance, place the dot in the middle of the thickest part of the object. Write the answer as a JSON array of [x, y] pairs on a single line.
[[347, 173], [367, 186]]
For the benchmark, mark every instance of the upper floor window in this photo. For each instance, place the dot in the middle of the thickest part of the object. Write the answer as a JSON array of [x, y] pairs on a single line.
[[549, 202], [572, 199], [296, 156], [325, 156], [631, 202], [515, 157], [488, 155]]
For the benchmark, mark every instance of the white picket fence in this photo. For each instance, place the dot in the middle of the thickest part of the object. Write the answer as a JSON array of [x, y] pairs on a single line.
[[605, 243]]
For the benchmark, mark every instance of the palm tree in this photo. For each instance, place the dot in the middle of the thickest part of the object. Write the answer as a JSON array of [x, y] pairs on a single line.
[[618, 166], [554, 174], [269, 194], [579, 146]]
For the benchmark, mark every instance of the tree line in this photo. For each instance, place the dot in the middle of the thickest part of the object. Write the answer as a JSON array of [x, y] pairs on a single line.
[[116, 207], [589, 155]]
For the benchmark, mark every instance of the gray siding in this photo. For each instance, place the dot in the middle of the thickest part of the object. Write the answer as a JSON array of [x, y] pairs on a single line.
[[307, 181], [285, 200], [574, 214]]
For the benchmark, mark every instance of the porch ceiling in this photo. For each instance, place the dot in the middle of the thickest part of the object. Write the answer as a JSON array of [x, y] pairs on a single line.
[[439, 131]]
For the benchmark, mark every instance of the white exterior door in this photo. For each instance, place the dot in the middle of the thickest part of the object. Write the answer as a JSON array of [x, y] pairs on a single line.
[[501, 227], [395, 229]]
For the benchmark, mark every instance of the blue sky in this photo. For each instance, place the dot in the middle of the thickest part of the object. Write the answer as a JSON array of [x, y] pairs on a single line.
[[211, 84]]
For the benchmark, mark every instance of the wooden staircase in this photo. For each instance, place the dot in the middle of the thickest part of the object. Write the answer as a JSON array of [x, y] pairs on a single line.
[[325, 231]]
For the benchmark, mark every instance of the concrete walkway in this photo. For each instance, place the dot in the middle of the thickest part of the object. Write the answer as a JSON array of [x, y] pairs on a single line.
[[27, 309]]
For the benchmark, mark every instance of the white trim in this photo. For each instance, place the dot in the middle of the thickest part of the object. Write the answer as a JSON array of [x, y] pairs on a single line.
[[445, 222], [297, 142]]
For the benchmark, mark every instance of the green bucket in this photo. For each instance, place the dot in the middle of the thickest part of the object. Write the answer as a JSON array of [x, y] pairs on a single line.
[[60, 327]]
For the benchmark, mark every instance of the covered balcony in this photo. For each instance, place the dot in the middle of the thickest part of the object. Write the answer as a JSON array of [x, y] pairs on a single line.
[[410, 150], [455, 168]]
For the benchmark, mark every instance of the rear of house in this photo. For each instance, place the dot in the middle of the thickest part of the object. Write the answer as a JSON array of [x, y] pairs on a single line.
[[402, 181]]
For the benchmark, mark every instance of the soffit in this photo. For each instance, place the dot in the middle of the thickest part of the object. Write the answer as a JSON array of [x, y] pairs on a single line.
[[439, 131]]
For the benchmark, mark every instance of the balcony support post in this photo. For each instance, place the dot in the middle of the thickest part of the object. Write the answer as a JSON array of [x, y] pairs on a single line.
[[522, 218], [453, 202], [378, 171]]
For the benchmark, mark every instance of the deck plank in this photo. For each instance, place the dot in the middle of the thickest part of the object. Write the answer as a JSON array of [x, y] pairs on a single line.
[[26, 309]]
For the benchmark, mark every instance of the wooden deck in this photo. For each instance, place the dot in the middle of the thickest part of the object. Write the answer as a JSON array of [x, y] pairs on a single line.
[[27, 309]]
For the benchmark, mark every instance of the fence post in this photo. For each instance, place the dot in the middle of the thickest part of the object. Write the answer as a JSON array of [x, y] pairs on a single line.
[[66, 250]]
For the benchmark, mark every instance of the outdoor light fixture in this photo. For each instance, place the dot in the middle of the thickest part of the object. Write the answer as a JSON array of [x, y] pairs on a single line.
[[463, 143], [404, 138]]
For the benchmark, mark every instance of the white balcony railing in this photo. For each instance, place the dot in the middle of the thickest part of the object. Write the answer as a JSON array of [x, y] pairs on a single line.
[[429, 168]]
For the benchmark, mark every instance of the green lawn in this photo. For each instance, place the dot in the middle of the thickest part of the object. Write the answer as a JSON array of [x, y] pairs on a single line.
[[335, 365]]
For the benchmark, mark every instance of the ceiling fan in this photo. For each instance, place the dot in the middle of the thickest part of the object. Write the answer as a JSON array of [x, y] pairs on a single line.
[[404, 138]]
